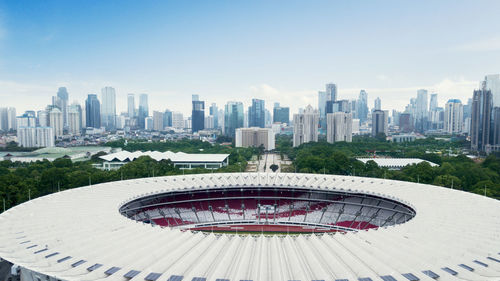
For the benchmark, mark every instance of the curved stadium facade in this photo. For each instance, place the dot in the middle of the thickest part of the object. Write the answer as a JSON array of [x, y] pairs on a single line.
[[251, 226]]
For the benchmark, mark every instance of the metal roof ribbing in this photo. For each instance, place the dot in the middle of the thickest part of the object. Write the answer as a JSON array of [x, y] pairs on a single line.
[[450, 228]]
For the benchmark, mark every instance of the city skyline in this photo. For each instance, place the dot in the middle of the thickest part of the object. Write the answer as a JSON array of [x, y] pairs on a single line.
[[387, 49]]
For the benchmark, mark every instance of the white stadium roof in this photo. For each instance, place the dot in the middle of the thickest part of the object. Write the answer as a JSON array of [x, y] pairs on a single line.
[[396, 162], [79, 234], [158, 156]]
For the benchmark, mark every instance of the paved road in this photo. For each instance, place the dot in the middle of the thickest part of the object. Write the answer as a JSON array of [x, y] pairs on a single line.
[[267, 160]]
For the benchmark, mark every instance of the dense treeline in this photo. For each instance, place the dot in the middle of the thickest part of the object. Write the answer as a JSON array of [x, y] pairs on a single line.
[[459, 172], [20, 181]]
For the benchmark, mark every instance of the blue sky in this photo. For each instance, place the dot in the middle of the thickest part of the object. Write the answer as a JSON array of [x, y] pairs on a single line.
[[235, 50]]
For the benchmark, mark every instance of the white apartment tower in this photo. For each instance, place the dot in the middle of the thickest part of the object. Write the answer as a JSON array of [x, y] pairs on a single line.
[[453, 116], [56, 121], [305, 126], [339, 127]]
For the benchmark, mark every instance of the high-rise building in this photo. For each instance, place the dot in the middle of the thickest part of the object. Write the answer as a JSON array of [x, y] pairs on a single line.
[[379, 122], [305, 126], [322, 99], [108, 108], [257, 114], [453, 116], [62, 95], [143, 110], [338, 106], [56, 121], [281, 114], [496, 126], [433, 104], [331, 92], [149, 124], [481, 119], [131, 105], [492, 83], [12, 121], [339, 127], [421, 103], [93, 111], [421, 110], [377, 104], [405, 122], [4, 119], [209, 122], [233, 117], [28, 119], [215, 113], [255, 137], [35, 136], [167, 118], [74, 119], [362, 106], [177, 120], [197, 114], [158, 121]]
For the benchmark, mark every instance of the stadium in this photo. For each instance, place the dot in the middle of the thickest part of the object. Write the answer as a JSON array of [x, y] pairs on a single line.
[[254, 226]]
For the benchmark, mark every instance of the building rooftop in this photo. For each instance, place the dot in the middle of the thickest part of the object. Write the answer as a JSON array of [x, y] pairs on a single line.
[[168, 155]]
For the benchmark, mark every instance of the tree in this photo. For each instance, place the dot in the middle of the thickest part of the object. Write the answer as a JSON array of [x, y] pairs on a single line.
[[274, 167]]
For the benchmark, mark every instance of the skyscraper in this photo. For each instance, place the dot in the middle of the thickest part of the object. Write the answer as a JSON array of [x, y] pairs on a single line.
[[331, 92], [215, 113], [143, 110], [11, 118], [481, 119], [405, 122], [233, 117], [453, 117], [62, 94], [56, 121], [158, 121], [256, 114], [492, 83], [4, 119], [362, 106], [434, 102], [108, 108], [421, 103], [167, 118], [322, 108], [131, 105], [197, 114], [74, 119], [421, 110], [339, 127], [379, 122], [93, 111], [177, 120], [281, 114], [305, 126], [377, 104]]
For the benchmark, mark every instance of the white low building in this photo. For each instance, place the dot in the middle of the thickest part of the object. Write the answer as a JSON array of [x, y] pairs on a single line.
[[395, 163], [179, 159]]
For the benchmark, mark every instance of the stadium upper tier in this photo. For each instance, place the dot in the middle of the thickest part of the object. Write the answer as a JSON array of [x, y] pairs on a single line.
[[146, 230]]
